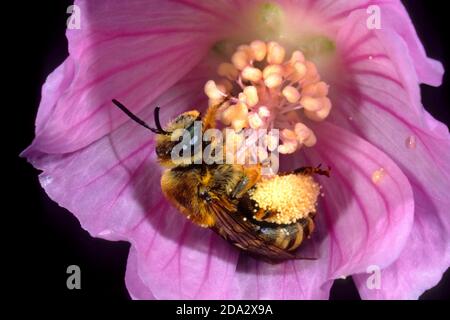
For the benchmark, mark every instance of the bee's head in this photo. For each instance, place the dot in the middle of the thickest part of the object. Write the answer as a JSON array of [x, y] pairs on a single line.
[[182, 134], [179, 136]]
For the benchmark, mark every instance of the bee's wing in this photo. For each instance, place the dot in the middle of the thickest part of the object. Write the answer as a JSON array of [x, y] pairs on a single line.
[[243, 234]]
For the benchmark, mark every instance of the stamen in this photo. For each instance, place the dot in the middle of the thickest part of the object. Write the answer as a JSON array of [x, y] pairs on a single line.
[[273, 81], [213, 92], [259, 49], [251, 74], [272, 69], [291, 94], [236, 115], [240, 60], [275, 53], [252, 96], [267, 88]]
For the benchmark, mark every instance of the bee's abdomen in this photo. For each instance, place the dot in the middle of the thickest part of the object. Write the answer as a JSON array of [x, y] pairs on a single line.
[[286, 237]]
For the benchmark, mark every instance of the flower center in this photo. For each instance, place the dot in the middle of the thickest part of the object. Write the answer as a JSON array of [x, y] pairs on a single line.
[[264, 90]]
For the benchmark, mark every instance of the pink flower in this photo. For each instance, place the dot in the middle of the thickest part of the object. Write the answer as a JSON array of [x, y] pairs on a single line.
[[386, 204]]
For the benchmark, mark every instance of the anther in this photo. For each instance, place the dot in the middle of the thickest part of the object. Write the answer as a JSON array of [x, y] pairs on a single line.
[[291, 94], [259, 49], [275, 53], [240, 60], [273, 81], [251, 74], [213, 92], [310, 103], [272, 69], [251, 96]]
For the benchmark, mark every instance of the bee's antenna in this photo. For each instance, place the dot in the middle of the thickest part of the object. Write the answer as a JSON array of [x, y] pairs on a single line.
[[135, 118], [158, 124]]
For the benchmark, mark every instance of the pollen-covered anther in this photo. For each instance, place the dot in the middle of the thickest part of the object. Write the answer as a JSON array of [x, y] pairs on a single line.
[[291, 94], [275, 53], [251, 95], [292, 197], [273, 81], [259, 49], [214, 92], [279, 89], [272, 69], [304, 135], [251, 74], [236, 116]]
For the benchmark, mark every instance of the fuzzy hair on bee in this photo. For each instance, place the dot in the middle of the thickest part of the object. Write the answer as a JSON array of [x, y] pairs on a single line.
[[230, 198]]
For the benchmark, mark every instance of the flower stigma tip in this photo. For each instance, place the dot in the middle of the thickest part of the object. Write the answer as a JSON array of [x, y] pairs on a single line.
[[264, 88]]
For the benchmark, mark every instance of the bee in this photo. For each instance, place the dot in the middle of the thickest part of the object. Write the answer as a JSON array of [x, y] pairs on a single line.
[[223, 197]]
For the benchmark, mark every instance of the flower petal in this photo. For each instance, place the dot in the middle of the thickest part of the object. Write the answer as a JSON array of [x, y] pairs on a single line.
[[137, 289], [130, 51], [379, 100], [359, 223], [113, 188]]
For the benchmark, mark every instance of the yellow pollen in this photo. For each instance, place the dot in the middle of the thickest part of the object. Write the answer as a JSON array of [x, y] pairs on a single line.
[[378, 175], [267, 86], [291, 197]]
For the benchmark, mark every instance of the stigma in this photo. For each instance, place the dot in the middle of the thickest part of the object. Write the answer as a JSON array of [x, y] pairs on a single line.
[[264, 88]]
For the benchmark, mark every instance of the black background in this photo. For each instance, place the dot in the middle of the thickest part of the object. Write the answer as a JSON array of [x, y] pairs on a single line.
[[45, 238]]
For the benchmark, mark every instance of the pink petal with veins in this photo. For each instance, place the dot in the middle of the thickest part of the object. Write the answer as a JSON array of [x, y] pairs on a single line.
[[102, 167], [112, 186], [132, 51], [359, 223], [382, 104]]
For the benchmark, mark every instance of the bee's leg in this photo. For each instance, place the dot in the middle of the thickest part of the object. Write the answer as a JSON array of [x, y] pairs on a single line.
[[209, 120], [313, 170], [311, 226], [251, 177]]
